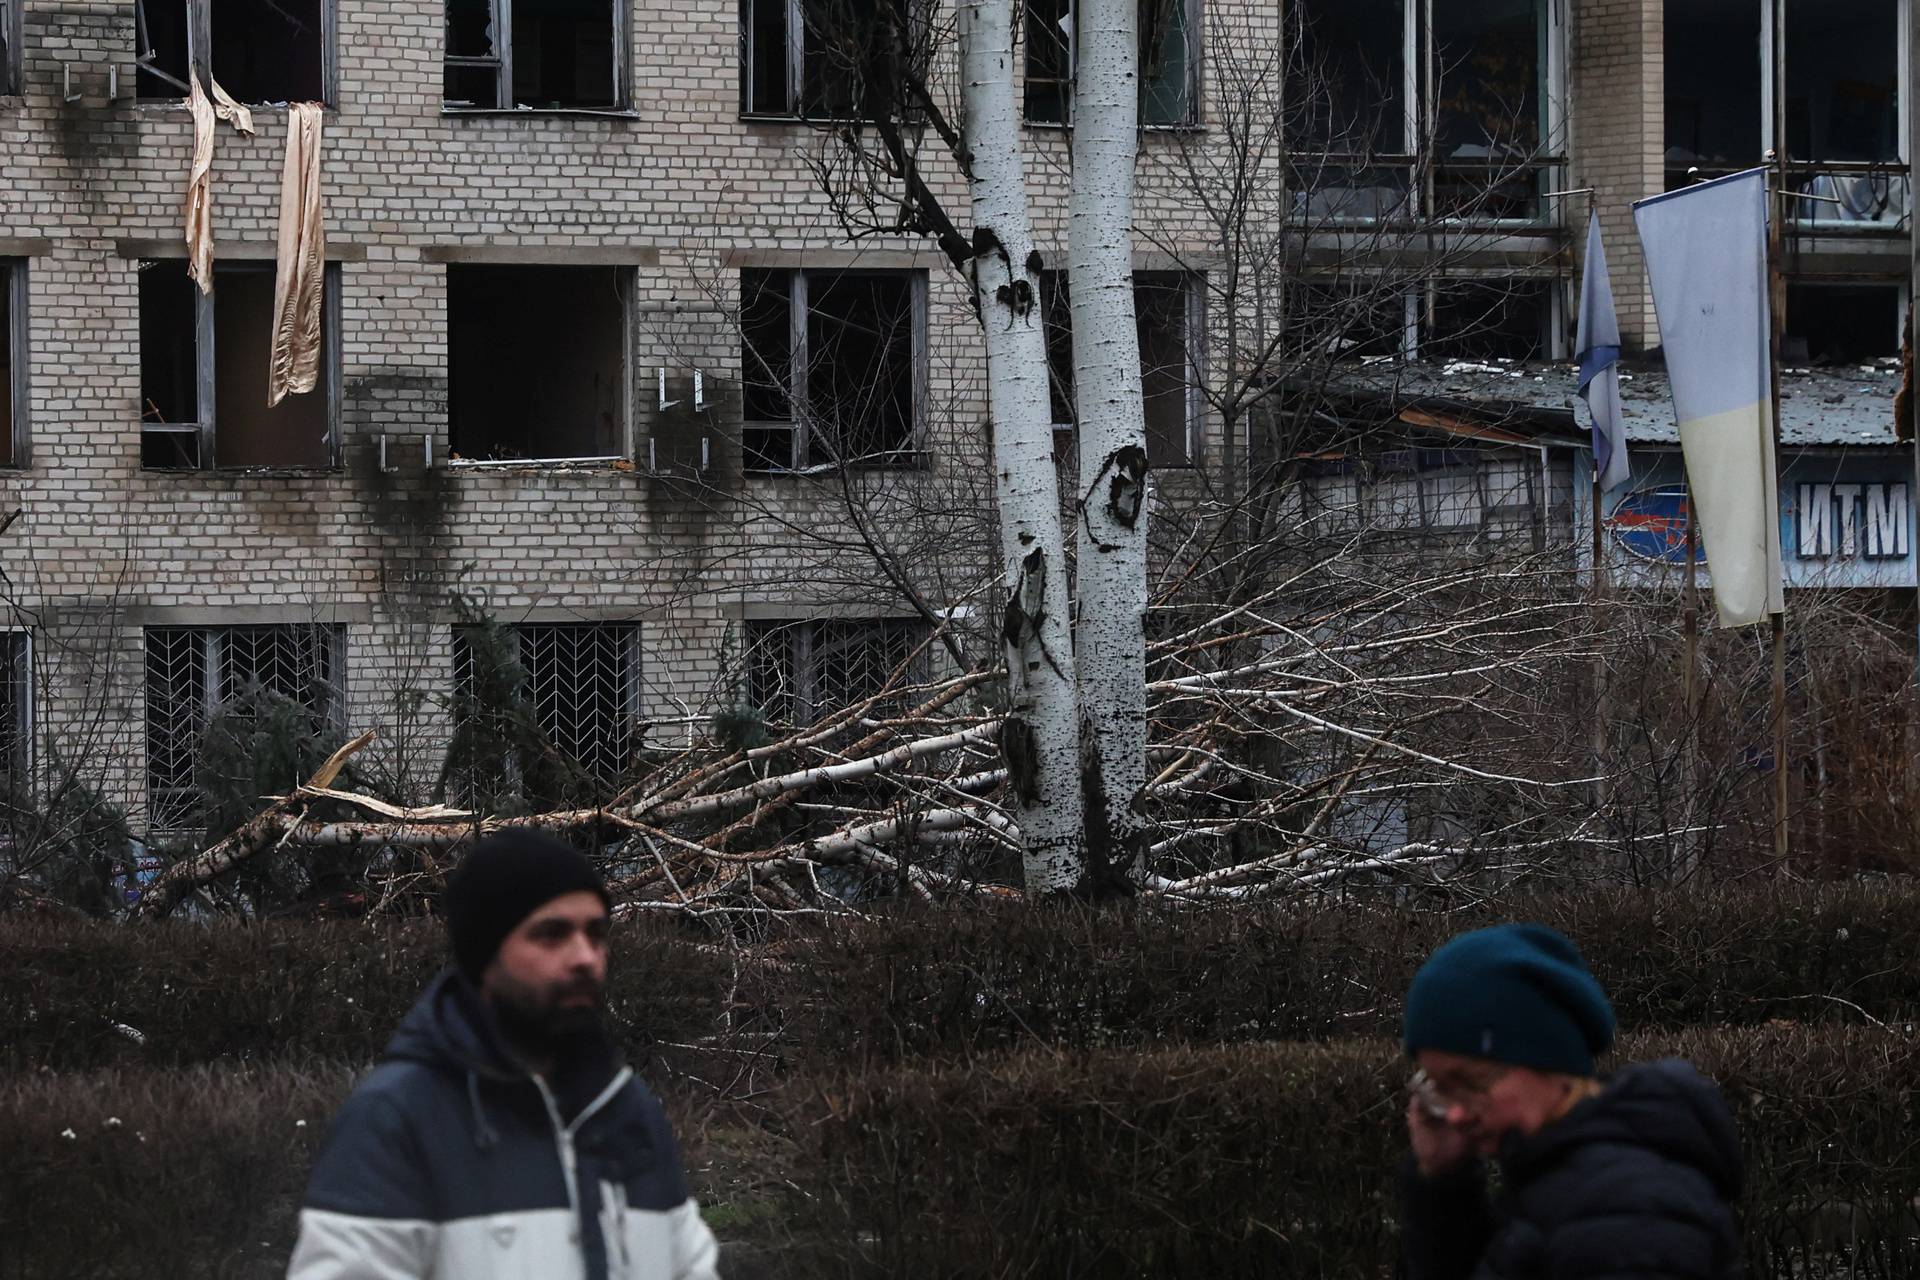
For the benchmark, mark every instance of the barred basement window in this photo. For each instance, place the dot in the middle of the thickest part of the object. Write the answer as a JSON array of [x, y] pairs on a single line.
[[833, 364], [537, 55], [260, 51], [569, 723], [204, 362], [194, 673], [801, 671], [16, 714]]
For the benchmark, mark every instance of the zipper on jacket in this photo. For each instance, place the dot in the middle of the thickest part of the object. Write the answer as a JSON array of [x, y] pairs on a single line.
[[563, 1138]]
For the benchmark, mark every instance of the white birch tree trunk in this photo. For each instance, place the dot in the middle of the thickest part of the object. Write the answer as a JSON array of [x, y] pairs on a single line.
[[1110, 627], [1041, 733]]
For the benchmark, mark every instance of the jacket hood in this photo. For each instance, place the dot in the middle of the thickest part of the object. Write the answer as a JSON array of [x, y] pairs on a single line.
[[449, 1027], [1667, 1107]]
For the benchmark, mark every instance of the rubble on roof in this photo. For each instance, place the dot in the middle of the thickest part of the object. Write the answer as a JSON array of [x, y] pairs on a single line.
[[1818, 406]]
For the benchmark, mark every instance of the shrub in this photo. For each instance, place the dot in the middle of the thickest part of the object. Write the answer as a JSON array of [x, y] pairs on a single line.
[[1280, 1159]]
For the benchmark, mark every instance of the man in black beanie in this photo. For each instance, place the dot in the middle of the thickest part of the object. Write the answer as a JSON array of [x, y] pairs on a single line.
[[1623, 1178], [501, 1136]]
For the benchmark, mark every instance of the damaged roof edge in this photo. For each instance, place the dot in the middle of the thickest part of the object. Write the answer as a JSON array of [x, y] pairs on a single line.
[[1851, 405]]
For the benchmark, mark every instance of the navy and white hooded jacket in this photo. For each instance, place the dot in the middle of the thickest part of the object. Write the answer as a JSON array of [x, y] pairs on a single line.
[[451, 1162]]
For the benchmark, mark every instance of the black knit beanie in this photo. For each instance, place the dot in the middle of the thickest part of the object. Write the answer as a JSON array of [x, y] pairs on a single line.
[[506, 878]]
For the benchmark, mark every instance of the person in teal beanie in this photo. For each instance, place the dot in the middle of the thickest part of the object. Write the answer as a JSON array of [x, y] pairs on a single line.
[[1626, 1177]]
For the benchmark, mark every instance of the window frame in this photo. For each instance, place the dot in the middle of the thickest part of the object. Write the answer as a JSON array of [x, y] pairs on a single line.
[[13, 280], [796, 110], [1775, 55], [1420, 85], [211, 640], [1196, 117], [800, 420], [1193, 288], [501, 62], [206, 367], [200, 51], [12, 56]]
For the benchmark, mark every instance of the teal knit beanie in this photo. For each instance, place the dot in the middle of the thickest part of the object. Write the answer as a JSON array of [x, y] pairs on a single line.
[[1516, 993]]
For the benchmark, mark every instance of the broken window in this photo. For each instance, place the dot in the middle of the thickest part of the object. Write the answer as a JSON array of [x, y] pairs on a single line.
[[562, 721], [10, 58], [1841, 324], [831, 365], [801, 671], [1351, 317], [825, 59], [204, 363], [13, 361], [1838, 65], [537, 362], [193, 673], [1488, 320], [1379, 88], [1167, 313], [260, 51], [1169, 62], [542, 55]]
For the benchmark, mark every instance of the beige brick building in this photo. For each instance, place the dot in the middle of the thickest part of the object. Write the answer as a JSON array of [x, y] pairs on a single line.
[[586, 299]]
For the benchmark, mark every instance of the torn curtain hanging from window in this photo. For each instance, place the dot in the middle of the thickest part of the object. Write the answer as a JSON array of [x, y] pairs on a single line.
[[200, 172], [299, 272]]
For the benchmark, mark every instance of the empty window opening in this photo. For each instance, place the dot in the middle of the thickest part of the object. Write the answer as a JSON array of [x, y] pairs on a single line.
[[553, 55], [537, 361], [1377, 84], [823, 59], [10, 24], [1841, 324], [1165, 309], [1351, 318], [1169, 61], [800, 672], [260, 51], [204, 365], [831, 364], [1506, 320], [1713, 113], [13, 367], [196, 673], [1346, 74], [1838, 64], [547, 711]]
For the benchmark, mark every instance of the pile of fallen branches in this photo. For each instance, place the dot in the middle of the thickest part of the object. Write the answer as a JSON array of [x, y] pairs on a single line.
[[1394, 728]]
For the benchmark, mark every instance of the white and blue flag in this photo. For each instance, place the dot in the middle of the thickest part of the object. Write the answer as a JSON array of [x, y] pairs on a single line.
[[1706, 249], [1598, 345]]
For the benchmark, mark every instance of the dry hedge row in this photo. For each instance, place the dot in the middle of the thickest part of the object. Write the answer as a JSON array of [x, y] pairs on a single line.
[[1225, 1161], [918, 984], [1278, 1159]]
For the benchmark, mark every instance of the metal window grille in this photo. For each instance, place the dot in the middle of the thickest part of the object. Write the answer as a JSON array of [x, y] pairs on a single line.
[[799, 672], [194, 672], [581, 691], [16, 711]]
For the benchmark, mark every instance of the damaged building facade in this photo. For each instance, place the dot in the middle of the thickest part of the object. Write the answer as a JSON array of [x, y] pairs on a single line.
[[599, 363]]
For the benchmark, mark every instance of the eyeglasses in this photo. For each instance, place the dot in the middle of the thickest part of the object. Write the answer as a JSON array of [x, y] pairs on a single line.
[[1468, 1093]]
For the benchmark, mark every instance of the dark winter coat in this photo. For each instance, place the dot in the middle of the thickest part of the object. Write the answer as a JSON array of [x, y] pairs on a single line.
[[450, 1161], [1632, 1184]]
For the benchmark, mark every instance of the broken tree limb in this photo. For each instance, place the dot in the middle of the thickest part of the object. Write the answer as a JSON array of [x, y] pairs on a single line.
[[183, 877]]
